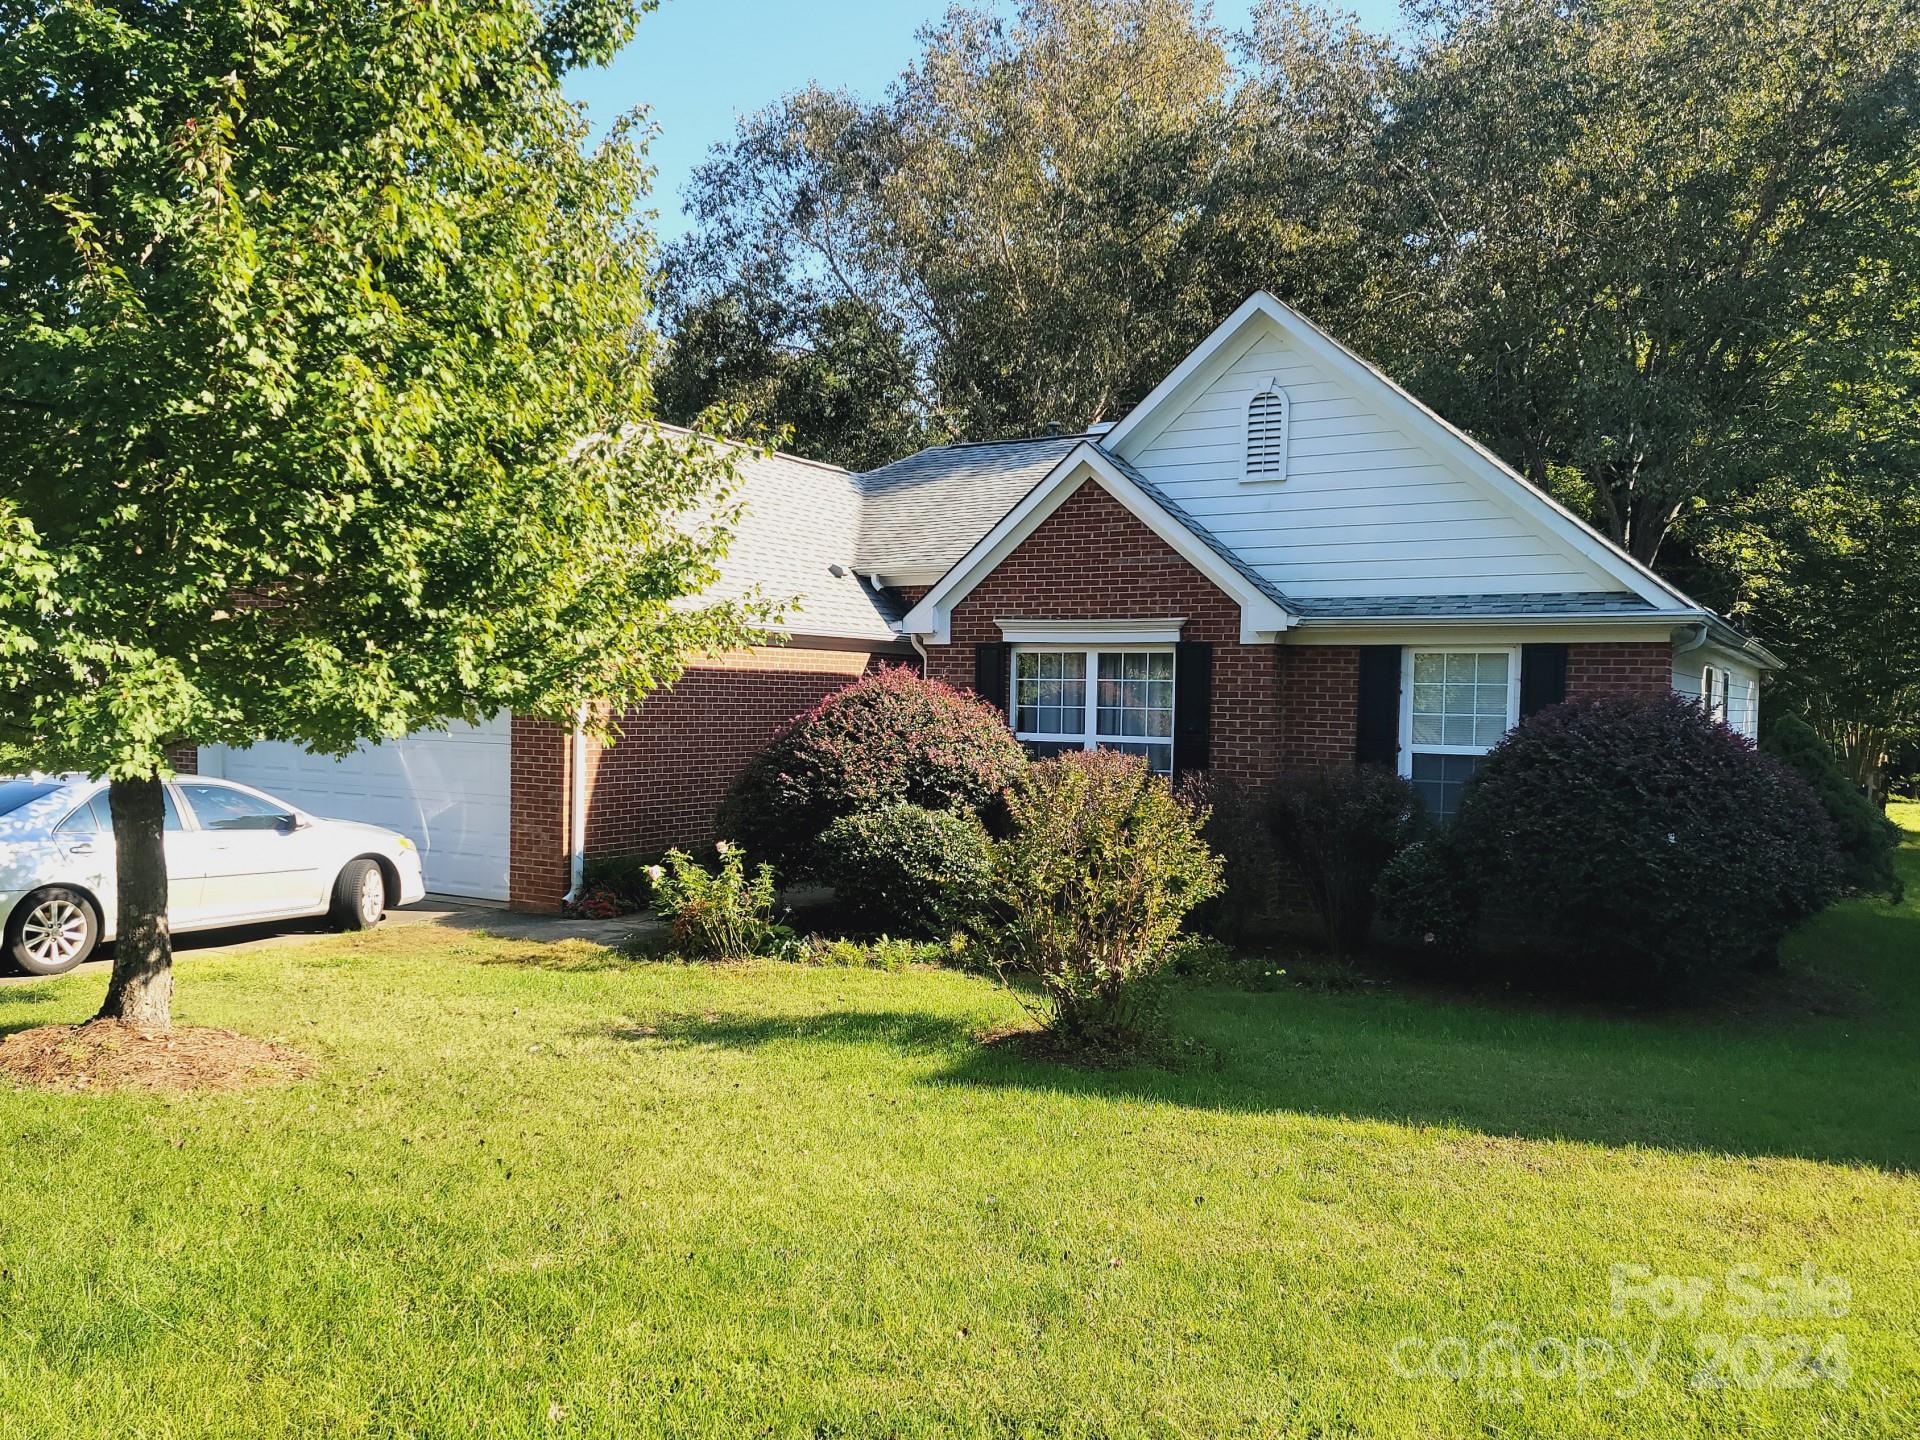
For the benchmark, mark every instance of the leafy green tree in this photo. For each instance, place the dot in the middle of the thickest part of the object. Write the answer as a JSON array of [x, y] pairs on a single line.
[[1608, 236], [833, 381], [1018, 209], [320, 394]]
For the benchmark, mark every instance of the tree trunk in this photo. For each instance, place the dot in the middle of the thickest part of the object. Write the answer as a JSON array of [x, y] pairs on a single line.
[[141, 991]]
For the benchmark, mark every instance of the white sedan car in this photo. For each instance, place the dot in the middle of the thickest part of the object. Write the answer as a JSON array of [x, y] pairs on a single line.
[[234, 856]]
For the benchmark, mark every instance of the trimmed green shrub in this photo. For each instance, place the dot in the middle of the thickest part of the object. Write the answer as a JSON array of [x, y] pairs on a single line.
[[1647, 845], [1237, 829], [1428, 898], [1088, 890], [1337, 828], [905, 870], [889, 738], [719, 914], [1866, 838]]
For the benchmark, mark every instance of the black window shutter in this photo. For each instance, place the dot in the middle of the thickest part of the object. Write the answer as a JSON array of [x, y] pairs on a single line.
[[990, 665], [1377, 733], [1192, 706], [1543, 677]]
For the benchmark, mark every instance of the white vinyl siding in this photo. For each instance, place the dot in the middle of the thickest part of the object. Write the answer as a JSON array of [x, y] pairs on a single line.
[[1366, 510], [1743, 688]]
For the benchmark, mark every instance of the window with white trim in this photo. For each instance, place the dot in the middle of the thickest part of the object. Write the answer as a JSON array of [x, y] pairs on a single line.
[[1072, 699], [1267, 423], [1715, 692], [1455, 706]]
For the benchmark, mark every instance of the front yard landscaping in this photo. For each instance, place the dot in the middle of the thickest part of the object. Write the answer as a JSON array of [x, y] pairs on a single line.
[[542, 1189]]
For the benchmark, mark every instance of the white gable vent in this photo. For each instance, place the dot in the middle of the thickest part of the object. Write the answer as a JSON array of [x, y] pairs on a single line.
[[1267, 436]]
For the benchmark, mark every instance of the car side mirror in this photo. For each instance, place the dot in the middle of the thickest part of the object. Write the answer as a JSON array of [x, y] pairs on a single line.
[[294, 821]]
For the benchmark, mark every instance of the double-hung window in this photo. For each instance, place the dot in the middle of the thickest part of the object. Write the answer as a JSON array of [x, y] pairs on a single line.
[[1455, 706], [1073, 699]]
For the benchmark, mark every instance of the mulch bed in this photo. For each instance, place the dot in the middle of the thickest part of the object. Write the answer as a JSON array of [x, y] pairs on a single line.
[[107, 1055]]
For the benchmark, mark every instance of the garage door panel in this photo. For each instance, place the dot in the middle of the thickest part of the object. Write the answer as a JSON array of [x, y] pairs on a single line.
[[449, 792]]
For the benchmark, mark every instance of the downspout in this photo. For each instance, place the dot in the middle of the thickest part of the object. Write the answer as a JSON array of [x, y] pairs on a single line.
[[1701, 631], [577, 810]]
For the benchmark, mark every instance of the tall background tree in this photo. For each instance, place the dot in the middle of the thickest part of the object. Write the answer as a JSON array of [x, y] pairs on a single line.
[[1658, 254], [318, 368], [1014, 216]]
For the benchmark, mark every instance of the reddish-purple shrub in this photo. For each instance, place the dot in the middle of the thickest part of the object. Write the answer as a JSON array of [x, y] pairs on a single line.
[[889, 738], [1646, 842]]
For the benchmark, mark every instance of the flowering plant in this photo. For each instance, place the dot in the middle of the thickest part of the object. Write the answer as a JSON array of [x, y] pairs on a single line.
[[721, 914]]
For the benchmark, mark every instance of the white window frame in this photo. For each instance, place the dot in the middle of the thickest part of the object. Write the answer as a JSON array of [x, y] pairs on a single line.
[[1248, 476], [1718, 706], [1090, 738], [1407, 654]]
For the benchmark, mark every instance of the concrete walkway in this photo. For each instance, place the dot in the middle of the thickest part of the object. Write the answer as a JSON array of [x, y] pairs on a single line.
[[435, 910]]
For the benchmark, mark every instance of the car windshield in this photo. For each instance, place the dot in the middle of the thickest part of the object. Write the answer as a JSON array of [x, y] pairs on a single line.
[[15, 793]]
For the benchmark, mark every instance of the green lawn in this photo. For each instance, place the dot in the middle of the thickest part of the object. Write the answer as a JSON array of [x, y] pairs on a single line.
[[539, 1190]]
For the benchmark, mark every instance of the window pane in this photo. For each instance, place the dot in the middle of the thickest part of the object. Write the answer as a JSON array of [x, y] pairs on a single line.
[[1050, 692], [1439, 781], [1468, 710], [1135, 697]]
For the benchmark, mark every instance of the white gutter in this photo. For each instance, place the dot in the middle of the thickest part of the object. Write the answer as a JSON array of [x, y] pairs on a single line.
[[577, 809], [1700, 634]]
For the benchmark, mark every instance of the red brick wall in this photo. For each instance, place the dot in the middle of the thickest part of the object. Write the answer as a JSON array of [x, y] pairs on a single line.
[[1092, 560], [539, 869], [1621, 668], [660, 784], [1319, 705], [184, 757]]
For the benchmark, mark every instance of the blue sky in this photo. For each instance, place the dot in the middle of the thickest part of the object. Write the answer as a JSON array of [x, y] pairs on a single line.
[[697, 64]]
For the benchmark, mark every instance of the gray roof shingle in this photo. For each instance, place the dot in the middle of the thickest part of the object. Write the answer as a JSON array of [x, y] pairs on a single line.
[[1591, 602], [926, 511], [800, 519]]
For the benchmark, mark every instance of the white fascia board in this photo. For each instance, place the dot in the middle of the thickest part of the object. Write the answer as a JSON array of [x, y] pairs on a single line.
[[1084, 632], [1260, 618], [1218, 350]]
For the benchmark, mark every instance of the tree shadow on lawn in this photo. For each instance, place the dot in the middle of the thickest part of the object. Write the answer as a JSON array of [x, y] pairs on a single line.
[[1806, 1091]]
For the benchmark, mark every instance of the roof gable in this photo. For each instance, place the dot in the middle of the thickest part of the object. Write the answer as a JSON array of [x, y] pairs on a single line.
[[1263, 614], [1382, 497]]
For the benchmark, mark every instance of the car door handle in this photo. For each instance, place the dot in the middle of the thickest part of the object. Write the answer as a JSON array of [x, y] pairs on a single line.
[[85, 847]]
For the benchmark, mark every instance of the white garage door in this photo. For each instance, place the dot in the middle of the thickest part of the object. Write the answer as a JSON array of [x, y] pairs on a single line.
[[447, 791]]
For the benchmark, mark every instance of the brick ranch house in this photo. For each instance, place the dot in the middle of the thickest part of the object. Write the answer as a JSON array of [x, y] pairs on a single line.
[[1277, 559]]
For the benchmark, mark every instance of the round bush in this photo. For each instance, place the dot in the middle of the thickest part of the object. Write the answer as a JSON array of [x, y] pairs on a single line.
[[1867, 839], [890, 738], [904, 870], [1646, 843]]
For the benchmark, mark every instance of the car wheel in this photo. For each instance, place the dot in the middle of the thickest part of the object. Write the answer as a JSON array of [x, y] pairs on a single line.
[[359, 896], [52, 930]]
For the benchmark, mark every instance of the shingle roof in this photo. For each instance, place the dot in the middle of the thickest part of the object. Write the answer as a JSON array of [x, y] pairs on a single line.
[[928, 510], [800, 519], [1593, 602]]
